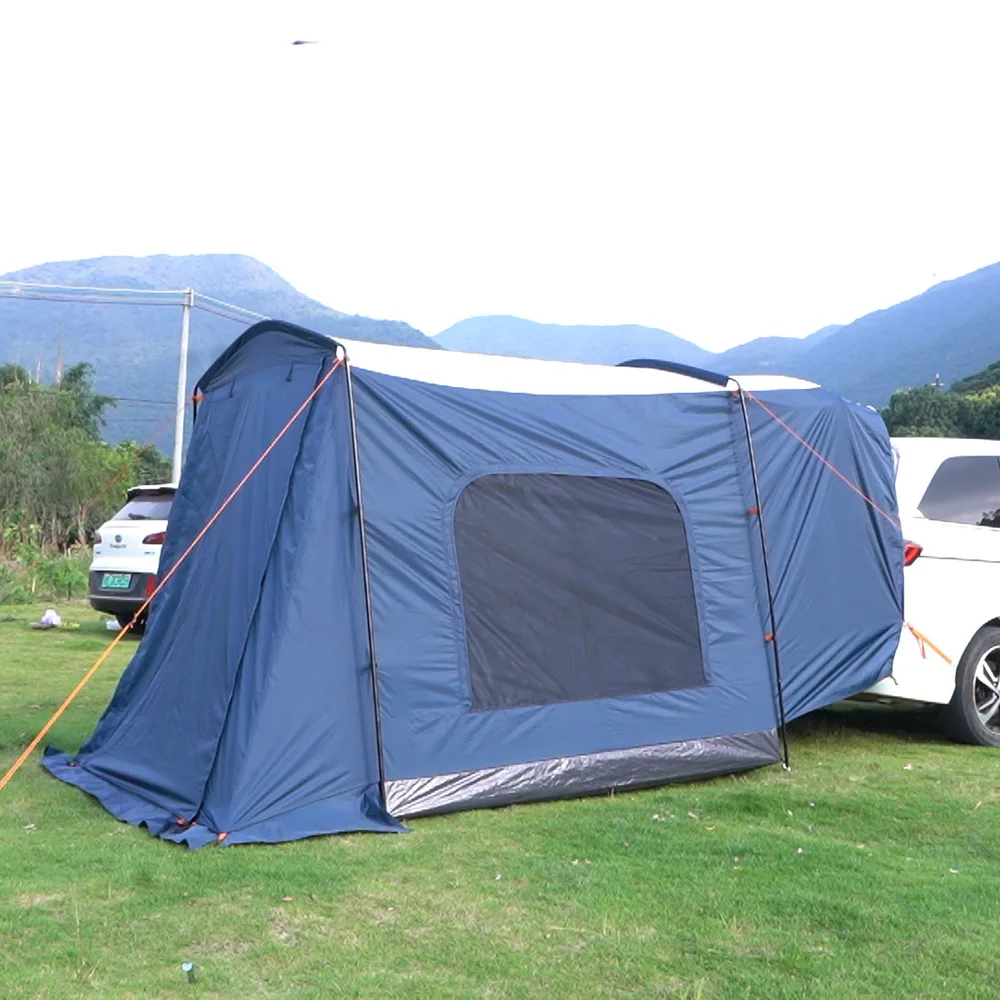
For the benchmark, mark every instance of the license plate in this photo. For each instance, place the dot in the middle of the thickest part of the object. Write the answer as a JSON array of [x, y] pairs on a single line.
[[116, 581]]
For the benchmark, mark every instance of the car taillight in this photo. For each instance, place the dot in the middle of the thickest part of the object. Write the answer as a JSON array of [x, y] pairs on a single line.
[[155, 539], [910, 552], [150, 585]]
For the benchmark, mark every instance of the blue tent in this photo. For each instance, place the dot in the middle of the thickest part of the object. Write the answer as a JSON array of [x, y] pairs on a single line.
[[462, 581]]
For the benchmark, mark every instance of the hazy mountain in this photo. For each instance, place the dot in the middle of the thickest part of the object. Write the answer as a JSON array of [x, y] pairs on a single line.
[[774, 355], [770, 355], [951, 329], [522, 338], [135, 348], [610, 344], [823, 333]]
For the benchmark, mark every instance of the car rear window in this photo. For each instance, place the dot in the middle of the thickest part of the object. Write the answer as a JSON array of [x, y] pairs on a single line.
[[965, 490], [145, 508]]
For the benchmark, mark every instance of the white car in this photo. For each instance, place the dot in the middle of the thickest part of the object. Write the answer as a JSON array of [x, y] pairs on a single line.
[[949, 504], [127, 553]]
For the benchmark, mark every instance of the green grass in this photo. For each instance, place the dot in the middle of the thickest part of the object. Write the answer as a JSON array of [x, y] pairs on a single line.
[[835, 880]]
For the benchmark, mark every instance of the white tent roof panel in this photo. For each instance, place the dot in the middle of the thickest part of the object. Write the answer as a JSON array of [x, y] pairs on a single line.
[[503, 374]]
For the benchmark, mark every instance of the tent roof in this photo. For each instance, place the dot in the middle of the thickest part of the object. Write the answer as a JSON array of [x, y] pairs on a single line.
[[505, 374], [498, 373]]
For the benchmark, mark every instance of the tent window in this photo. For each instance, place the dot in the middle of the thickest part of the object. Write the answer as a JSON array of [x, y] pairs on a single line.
[[575, 587]]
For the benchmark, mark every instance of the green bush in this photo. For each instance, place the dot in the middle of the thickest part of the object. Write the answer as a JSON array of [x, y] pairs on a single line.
[[57, 477], [928, 412], [36, 574]]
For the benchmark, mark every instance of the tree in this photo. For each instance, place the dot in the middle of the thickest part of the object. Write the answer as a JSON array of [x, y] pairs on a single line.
[[148, 465], [986, 379], [53, 463], [85, 407], [971, 408], [924, 412], [12, 376]]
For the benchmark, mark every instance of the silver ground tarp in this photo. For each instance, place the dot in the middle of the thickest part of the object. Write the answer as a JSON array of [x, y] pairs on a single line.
[[586, 774]]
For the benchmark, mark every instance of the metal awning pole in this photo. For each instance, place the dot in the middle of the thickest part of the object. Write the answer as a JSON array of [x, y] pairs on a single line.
[[182, 370]]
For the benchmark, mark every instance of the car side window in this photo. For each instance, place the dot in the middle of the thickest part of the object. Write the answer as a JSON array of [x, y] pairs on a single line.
[[965, 491]]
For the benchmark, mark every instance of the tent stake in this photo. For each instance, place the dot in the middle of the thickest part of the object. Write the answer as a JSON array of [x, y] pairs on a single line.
[[767, 574], [367, 582]]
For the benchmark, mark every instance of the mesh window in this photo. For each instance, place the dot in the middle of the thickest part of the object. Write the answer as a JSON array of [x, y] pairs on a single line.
[[575, 587]]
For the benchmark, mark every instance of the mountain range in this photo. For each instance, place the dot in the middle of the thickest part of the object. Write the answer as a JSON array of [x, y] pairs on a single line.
[[134, 348], [522, 338], [949, 331]]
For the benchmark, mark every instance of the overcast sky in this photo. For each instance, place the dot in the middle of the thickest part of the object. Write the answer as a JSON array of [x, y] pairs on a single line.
[[721, 170]]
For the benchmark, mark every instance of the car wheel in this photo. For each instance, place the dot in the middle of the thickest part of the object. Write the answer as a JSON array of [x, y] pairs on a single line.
[[125, 620], [973, 715]]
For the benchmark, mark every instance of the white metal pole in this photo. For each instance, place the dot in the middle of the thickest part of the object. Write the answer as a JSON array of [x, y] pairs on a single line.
[[182, 371]]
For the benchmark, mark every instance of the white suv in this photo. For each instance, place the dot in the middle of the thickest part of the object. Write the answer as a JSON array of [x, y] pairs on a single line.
[[949, 506], [127, 552]]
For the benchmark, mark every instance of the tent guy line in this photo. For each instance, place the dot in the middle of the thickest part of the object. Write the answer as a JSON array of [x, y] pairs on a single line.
[[857, 489]]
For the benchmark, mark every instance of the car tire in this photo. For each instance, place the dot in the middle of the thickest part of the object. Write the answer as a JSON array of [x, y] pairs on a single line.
[[973, 715], [126, 619]]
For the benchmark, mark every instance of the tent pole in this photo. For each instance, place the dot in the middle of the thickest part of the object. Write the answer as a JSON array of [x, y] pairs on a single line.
[[367, 581], [767, 572]]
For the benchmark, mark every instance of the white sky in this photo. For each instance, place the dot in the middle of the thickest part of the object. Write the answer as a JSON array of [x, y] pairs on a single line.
[[721, 170]]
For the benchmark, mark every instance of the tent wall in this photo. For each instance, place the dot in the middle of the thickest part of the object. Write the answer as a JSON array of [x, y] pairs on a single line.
[[422, 447], [209, 721], [297, 755], [836, 558]]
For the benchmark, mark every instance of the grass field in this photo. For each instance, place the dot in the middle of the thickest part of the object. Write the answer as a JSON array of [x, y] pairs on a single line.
[[870, 870]]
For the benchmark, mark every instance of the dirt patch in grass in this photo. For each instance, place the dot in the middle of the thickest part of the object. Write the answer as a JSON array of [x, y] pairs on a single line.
[[38, 899]]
